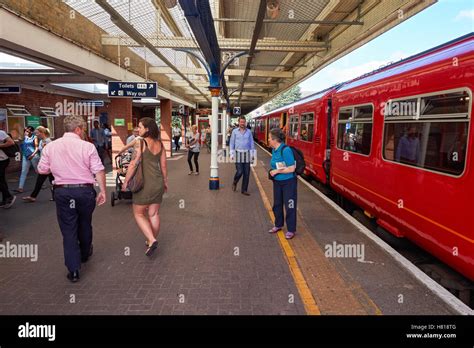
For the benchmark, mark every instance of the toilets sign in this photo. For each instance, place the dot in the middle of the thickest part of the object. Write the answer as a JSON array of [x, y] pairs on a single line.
[[133, 89]]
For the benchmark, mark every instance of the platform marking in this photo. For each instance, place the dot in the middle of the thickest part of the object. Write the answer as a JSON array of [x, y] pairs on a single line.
[[305, 293], [452, 301]]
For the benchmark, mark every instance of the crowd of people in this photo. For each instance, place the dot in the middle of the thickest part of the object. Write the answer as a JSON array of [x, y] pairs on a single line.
[[74, 165]]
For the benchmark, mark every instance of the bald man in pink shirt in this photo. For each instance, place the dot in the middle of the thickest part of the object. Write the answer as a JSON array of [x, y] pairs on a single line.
[[74, 163]]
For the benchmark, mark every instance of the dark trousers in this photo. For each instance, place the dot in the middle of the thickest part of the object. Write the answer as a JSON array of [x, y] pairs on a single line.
[[40, 179], [3, 180], [196, 163], [176, 143], [242, 165], [285, 195], [74, 208]]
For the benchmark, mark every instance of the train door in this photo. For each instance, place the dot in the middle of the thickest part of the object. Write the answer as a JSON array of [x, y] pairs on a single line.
[[267, 130]]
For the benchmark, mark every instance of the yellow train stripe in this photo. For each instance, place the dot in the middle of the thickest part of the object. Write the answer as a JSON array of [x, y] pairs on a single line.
[[405, 208]]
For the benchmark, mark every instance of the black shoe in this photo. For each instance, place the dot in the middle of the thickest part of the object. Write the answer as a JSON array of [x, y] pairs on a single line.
[[234, 186], [246, 193], [9, 202], [151, 248], [73, 276], [86, 258]]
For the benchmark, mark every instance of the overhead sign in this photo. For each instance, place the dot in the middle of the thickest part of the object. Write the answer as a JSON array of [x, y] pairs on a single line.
[[10, 89], [236, 110], [133, 89], [119, 122], [98, 103], [33, 121]]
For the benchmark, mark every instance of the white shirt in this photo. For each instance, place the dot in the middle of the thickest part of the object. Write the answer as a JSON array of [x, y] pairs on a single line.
[[3, 136], [130, 139]]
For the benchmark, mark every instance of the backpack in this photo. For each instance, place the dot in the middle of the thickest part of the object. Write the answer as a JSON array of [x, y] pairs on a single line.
[[299, 158], [11, 151]]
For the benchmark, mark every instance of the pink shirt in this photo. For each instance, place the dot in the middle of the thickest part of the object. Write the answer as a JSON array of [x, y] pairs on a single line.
[[71, 160]]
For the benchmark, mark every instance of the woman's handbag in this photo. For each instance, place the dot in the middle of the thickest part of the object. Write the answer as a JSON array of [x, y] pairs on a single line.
[[135, 183]]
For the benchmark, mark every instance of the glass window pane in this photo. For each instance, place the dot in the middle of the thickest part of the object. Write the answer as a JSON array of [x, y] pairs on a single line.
[[439, 146], [402, 108], [355, 137], [15, 126], [310, 132], [447, 103], [345, 114], [365, 111]]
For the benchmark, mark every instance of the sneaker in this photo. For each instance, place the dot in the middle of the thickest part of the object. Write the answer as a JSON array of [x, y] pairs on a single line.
[[190, 173], [197, 173], [9, 202], [289, 235]]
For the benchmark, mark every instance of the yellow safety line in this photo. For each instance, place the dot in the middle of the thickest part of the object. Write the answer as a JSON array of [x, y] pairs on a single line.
[[305, 293]]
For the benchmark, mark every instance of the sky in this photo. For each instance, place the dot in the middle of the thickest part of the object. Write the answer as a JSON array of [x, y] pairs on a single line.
[[439, 23]]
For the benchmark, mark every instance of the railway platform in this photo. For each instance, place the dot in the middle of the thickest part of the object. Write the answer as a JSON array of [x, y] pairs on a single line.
[[214, 257]]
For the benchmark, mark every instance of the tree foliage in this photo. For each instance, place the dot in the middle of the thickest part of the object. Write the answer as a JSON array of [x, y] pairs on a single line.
[[285, 98]]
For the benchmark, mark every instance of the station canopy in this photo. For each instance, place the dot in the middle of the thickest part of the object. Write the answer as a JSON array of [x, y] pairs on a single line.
[[278, 42]]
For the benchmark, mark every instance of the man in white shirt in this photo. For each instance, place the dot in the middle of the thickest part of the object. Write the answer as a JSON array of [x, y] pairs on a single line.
[[176, 137], [7, 198], [133, 136]]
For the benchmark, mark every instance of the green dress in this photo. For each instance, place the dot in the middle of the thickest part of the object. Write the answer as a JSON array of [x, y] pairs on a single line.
[[153, 183]]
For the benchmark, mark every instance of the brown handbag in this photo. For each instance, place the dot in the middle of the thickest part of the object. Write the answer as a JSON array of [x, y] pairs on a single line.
[[135, 183]]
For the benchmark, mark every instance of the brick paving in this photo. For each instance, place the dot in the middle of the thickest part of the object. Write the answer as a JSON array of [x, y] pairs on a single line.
[[214, 256]]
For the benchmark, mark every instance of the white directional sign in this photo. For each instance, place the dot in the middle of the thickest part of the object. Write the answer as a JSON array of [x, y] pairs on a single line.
[[236, 110], [133, 89]]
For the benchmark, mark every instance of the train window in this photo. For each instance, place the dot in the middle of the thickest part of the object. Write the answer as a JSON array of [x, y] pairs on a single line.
[[445, 104], [435, 145], [403, 108], [294, 126], [355, 129], [345, 114], [437, 139], [307, 127]]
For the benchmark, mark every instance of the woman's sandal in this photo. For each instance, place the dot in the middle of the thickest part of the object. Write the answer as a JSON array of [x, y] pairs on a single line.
[[274, 230], [151, 248]]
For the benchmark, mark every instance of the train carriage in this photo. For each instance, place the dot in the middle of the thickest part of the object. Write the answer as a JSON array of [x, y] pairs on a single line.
[[401, 150], [397, 144]]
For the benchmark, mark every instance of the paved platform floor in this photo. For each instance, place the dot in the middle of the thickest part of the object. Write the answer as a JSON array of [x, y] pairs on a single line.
[[214, 257]]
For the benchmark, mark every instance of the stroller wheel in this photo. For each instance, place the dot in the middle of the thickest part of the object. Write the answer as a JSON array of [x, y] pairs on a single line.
[[112, 199]]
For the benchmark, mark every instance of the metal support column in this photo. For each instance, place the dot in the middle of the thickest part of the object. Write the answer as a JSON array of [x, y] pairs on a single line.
[[214, 178]]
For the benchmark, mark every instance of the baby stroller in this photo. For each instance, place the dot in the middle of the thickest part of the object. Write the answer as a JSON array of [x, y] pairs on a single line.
[[121, 163]]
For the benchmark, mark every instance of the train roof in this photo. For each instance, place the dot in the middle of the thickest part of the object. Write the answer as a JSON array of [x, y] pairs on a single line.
[[311, 97], [436, 54]]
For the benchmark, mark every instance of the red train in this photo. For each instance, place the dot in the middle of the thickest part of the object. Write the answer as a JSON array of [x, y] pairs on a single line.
[[397, 143]]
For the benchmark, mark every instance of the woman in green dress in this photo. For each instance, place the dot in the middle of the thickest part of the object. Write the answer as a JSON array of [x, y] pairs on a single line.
[[146, 202]]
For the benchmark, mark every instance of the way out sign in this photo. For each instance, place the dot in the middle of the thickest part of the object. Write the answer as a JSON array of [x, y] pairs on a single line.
[[119, 89]]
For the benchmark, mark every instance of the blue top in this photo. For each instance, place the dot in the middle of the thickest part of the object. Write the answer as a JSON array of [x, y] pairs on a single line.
[[284, 157], [28, 146], [409, 148], [241, 141], [98, 136]]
